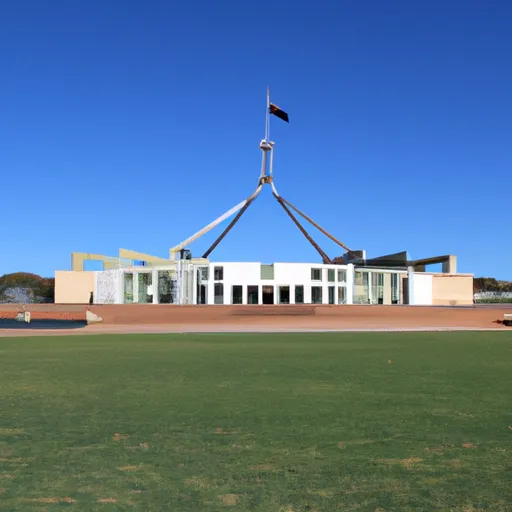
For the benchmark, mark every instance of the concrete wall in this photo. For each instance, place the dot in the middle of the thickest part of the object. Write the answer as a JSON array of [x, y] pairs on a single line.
[[73, 287], [439, 289], [420, 289], [456, 289]]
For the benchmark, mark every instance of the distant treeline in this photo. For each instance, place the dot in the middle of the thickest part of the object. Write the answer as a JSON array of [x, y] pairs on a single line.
[[490, 290], [22, 287], [489, 284]]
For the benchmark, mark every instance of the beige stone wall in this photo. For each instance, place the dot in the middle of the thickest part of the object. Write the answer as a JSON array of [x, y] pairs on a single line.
[[452, 289], [73, 287]]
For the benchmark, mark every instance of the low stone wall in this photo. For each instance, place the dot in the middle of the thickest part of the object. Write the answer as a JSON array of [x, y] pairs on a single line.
[[287, 316], [312, 316]]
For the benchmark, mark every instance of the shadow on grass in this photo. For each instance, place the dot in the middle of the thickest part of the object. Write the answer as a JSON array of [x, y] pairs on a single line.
[[42, 324]]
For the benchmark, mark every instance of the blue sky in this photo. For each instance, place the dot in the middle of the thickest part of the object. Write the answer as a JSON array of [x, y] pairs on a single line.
[[134, 124]]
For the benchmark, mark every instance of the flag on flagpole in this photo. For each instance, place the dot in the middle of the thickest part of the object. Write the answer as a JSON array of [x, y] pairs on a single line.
[[274, 109]]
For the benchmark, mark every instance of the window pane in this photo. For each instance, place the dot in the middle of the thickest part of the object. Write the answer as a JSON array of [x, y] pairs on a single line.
[[377, 280], [145, 288], [236, 294], [331, 294], [330, 275], [267, 294], [342, 276], [299, 294], [316, 295], [252, 295], [128, 288], [395, 289], [218, 273], [361, 288], [218, 293], [316, 274], [165, 287], [284, 295]]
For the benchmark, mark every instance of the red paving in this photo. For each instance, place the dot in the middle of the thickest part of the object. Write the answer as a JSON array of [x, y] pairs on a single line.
[[161, 318]]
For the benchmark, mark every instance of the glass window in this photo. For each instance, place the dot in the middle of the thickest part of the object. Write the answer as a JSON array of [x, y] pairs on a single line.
[[361, 288], [236, 294], [342, 276], [299, 294], [267, 294], [252, 295], [361, 278], [377, 285], [316, 274], [218, 293], [331, 275], [128, 288], [331, 294], [145, 288], [165, 287], [395, 288], [218, 273], [204, 272], [284, 295], [316, 295], [342, 295]]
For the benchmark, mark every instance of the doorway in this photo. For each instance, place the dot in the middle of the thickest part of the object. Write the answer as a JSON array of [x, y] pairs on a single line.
[[202, 285], [267, 293]]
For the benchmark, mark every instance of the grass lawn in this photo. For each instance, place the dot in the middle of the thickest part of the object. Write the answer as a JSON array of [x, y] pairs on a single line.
[[270, 423]]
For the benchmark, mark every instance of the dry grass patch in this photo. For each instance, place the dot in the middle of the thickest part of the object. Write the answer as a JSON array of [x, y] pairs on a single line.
[[229, 500], [221, 431], [440, 449], [65, 499], [119, 437], [129, 468], [107, 500], [11, 431], [453, 463], [17, 460], [325, 493], [199, 482], [406, 463]]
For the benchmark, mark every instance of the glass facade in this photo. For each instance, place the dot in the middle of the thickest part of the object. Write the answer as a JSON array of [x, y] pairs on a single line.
[[128, 288], [217, 284]]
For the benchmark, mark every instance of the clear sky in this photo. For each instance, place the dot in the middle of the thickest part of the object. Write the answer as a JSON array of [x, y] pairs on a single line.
[[134, 124]]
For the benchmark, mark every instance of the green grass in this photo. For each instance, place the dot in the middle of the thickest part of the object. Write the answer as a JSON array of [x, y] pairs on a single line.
[[302, 422]]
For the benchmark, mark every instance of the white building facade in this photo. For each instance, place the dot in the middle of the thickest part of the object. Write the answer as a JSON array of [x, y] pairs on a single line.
[[226, 283]]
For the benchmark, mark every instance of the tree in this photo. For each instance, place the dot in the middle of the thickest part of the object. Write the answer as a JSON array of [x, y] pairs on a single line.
[[26, 287]]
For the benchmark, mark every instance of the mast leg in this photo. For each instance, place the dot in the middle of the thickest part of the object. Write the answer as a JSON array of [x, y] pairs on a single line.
[[228, 229], [324, 256], [311, 221]]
